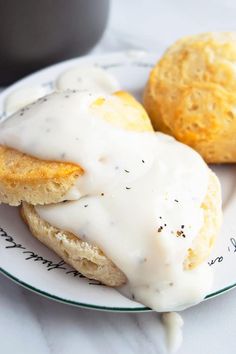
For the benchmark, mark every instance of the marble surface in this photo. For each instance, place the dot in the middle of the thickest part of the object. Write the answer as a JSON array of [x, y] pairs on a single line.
[[32, 324]]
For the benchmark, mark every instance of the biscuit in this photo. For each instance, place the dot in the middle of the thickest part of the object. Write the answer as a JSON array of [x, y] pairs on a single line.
[[89, 260], [26, 178], [191, 94]]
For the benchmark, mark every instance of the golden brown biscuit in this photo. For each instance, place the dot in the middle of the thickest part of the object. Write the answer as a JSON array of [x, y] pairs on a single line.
[[191, 94], [93, 263], [26, 178]]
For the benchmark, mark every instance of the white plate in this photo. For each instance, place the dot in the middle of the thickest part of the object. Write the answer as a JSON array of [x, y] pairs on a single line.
[[28, 262]]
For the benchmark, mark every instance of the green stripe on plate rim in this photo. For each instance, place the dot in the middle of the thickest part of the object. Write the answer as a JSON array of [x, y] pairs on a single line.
[[95, 307]]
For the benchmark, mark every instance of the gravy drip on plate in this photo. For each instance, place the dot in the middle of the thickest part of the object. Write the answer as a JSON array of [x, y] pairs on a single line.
[[139, 199], [22, 97], [173, 323], [87, 78]]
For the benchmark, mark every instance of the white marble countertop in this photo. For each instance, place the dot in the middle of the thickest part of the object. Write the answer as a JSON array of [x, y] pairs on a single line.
[[32, 324]]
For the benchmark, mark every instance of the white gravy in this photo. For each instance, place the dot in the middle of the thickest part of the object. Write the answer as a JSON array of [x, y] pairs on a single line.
[[87, 78], [21, 97], [139, 199], [173, 325]]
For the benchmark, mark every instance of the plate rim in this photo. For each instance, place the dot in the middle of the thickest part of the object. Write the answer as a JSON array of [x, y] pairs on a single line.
[[125, 54], [96, 307], [71, 302]]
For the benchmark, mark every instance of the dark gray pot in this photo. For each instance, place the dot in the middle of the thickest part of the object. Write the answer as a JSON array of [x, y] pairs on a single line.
[[37, 33]]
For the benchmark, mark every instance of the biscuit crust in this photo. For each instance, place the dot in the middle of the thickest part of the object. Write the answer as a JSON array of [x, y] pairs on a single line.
[[26, 178]]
